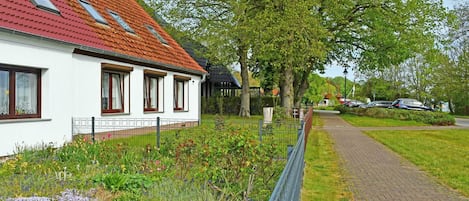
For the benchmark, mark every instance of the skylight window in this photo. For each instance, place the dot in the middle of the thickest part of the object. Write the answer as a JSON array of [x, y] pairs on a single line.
[[46, 5], [121, 22], [88, 7], [157, 35]]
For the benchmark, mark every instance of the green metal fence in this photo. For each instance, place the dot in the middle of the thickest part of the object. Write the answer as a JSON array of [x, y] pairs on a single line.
[[289, 185]]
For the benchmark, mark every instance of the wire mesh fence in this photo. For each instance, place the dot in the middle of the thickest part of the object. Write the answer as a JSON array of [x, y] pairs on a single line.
[[290, 183], [165, 132], [115, 128]]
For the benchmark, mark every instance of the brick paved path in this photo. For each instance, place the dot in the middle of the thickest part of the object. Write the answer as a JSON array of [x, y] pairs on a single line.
[[375, 172]]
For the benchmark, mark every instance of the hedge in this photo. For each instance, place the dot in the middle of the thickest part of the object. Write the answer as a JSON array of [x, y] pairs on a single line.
[[433, 118], [231, 105]]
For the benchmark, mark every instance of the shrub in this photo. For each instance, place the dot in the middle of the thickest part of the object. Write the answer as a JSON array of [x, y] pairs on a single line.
[[433, 118], [226, 159], [133, 183], [231, 105], [279, 114], [342, 109]]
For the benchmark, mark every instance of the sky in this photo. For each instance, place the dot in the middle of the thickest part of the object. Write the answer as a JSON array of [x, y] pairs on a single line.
[[334, 70]]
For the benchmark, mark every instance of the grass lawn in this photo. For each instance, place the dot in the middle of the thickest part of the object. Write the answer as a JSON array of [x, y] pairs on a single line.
[[323, 179], [443, 153], [362, 121]]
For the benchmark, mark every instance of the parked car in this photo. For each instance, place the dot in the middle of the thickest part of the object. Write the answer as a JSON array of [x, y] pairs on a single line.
[[380, 104], [409, 104], [353, 103]]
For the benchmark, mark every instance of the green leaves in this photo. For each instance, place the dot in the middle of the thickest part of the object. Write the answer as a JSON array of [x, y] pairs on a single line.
[[227, 157], [115, 182], [285, 40]]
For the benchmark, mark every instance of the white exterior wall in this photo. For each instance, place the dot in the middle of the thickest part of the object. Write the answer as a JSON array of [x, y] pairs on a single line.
[[87, 93], [71, 87], [55, 123]]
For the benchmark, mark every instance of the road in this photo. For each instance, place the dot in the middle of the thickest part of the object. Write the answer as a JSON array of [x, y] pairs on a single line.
[[462, 122]]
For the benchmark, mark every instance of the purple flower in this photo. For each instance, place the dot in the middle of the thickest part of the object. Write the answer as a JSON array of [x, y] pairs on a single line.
[[29, 199], [72, 195]]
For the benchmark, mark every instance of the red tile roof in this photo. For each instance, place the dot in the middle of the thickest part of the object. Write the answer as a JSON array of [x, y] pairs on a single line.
[[75, 25]]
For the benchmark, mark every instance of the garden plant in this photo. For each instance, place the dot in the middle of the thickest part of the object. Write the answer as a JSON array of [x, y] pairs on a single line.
[[223, 162]]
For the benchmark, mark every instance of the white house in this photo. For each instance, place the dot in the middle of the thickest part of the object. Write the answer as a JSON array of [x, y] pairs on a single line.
[[80, 58]]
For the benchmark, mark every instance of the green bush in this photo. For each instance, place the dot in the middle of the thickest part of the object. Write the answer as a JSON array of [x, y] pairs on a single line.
[[231, 105], [433, 118], [342, 109], [133, 183], [226, 159]]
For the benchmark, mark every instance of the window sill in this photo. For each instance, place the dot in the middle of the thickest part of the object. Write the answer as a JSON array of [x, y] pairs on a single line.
[[181, 110], [115, 114], [153, 112], [7, 121]]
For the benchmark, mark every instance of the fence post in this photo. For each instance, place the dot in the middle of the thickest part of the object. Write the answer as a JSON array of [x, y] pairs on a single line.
[[158, 132], [260, 130], [92, 129]]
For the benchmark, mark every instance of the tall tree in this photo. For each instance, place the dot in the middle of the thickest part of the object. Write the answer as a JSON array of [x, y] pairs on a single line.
[[452, 75], [223, 26], [460, 58], [297, 37], [374, 35], [318, 89], [419, 77], [289, 39]]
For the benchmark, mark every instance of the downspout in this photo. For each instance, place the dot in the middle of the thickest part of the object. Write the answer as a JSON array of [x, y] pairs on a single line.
[[204, 78]]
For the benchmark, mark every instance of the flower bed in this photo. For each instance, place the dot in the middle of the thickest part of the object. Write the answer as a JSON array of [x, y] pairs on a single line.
[[225, 162]]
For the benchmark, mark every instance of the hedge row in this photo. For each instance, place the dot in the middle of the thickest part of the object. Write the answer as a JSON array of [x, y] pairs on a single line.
[[433, 118], [231, 105]]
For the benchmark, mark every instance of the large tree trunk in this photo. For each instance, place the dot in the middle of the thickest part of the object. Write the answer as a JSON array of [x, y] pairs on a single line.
[[303, 84], [450, 106], [286, 89], [245, 110]]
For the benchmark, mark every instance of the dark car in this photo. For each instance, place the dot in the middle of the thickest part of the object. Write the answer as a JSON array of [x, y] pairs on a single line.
[[353, 103], [409, 104], [380, 104]]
